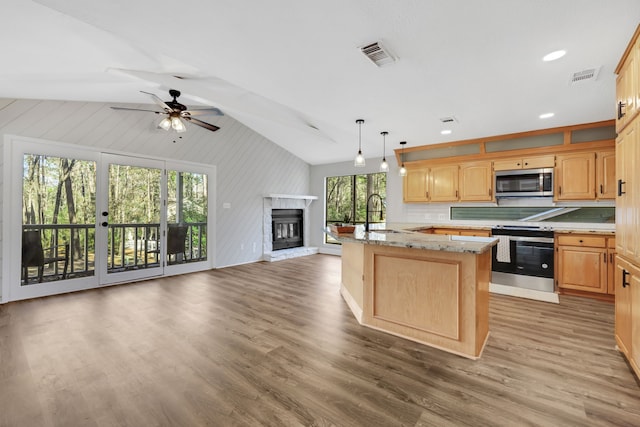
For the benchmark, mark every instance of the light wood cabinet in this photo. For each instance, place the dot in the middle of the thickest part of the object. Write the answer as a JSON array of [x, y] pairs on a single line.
[[443, 183], [534, 162], [606, 174], [585, 263], [416, 185], [435, 184], [575, 176], [476, 182], [627, 87], [458, 232], [611, 268], [623, 322], [627, 201]]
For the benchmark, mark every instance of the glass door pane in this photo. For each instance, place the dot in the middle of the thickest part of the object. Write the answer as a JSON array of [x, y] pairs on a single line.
[[58, 219], [132, 218], [187, 204]]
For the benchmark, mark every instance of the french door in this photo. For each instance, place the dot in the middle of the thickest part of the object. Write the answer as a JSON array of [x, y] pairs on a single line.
[[131, 221], [84, 219]]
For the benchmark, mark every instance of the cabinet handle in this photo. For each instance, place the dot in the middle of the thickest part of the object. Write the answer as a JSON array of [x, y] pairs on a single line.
[[605, 258], [621, 105], [581, 241], [620, 184], [456, 194], [601, 189], [611, 258], [427, 194], [625, 273], [489, 192], [526, 163], [560, 190], [517, 164]]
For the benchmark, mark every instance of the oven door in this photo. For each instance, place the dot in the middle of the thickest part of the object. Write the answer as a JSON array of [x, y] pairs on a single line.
[[530, 256]]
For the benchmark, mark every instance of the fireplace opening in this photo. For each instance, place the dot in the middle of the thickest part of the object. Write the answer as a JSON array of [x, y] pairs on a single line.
[[287, 226]]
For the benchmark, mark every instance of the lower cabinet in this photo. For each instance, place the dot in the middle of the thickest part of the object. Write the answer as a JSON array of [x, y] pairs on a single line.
[[627, 317], [585, 263]]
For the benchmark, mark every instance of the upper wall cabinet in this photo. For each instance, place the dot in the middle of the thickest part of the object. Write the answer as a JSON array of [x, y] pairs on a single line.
[[436, 184], [628, 87], [575, 176], [476, 182], [524, 163], [606, 174]]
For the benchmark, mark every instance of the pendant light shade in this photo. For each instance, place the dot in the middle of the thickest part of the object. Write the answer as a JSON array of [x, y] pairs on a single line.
[[165, 124], [384, 166], [177, 124], [359, 162], [403, 170]]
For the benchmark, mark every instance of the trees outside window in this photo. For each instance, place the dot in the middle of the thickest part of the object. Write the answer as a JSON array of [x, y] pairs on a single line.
[[346, 198]]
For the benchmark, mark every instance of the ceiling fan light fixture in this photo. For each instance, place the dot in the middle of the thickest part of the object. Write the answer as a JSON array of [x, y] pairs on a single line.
[[165, 124], [177, 124]]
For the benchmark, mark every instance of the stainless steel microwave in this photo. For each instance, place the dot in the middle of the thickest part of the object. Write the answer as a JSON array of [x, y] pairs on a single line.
[[524, 183]]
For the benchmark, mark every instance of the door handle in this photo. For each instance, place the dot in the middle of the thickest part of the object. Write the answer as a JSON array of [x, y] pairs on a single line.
[[620, 184], [625, 273], [621, 105]]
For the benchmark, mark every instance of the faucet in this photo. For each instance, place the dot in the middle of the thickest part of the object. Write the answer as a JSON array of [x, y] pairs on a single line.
[[366, 219]]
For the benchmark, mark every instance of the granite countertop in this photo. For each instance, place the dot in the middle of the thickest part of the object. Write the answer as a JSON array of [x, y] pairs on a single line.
[[404, 238]]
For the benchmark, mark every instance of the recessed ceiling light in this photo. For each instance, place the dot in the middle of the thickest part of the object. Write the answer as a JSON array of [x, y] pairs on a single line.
[[445, 131], [546, 115], [554, 55]]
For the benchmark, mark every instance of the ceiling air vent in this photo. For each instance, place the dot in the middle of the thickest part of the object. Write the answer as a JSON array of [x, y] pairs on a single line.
[[450, 119], [377, 54], [590, 74]]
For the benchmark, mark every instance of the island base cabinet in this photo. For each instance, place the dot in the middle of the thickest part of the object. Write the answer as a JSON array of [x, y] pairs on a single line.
[[437, 298], [627, 313]]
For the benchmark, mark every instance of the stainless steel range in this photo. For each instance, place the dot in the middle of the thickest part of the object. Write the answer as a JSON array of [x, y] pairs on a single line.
[[523, 257]]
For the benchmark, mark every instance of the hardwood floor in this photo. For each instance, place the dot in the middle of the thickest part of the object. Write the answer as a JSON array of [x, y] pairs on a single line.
[[275, 344]]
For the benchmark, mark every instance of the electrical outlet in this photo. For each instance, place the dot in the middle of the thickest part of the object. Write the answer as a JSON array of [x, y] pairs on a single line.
[[427, 216], [442, 217]]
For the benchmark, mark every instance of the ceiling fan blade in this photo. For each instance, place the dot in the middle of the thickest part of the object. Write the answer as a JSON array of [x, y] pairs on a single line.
[[203, 111], [158, 101], [137, 109], [200, 123]]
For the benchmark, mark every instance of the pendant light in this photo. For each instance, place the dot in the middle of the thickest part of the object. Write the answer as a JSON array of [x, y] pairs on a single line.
[[384, 166], [359, 161], [403, 170]]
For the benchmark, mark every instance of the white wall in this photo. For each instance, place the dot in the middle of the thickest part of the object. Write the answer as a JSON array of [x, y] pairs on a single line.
[[248, 165]]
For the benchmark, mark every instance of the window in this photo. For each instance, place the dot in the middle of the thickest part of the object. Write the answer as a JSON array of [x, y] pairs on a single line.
[[346, 199]]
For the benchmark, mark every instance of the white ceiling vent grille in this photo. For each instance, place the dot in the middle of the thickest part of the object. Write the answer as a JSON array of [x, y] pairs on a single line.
[[583, 76], [377, 54], [449, 119]]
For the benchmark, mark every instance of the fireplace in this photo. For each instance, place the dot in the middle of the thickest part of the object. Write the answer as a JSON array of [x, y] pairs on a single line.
[[287, 228], [286, 216]]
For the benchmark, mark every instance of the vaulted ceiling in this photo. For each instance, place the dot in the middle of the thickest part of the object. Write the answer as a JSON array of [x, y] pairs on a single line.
[[292, 70]]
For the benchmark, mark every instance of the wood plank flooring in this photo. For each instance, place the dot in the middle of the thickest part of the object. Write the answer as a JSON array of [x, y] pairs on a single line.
[[274, 344]]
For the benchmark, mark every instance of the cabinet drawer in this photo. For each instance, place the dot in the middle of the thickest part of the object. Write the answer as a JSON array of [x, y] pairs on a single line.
[[590, 241], [611, 242], [538, 162]]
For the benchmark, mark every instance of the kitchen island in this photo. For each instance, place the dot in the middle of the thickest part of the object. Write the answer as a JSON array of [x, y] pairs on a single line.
[[432, 289]]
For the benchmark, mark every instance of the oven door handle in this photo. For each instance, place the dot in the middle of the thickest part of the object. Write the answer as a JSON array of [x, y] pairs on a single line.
[[529, 239]]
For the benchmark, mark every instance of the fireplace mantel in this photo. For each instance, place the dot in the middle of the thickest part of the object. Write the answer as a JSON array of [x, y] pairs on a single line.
[[308, 199]]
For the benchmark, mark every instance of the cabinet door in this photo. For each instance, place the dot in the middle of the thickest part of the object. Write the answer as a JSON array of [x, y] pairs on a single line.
[[476, 181], [635, 317], [538, 162], [606, 174], [627, 211], [623, 309], [415, 185], [507, 164], [582, 269], [575, 176], [443, 183], [621, 99]]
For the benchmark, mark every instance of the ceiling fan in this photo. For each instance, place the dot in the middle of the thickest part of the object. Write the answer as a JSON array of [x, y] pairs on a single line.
[[176, 112]]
